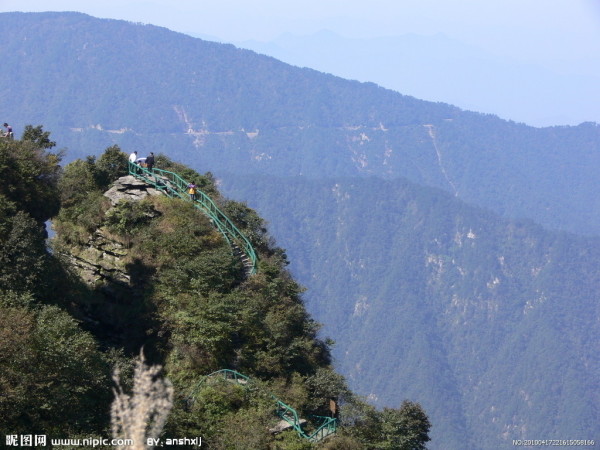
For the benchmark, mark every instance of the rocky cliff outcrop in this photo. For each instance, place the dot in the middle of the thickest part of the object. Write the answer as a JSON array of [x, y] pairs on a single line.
[[129, 188], [101, 260]]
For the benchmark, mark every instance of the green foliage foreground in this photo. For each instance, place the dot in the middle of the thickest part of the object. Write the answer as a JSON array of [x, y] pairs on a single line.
[[186, 300]]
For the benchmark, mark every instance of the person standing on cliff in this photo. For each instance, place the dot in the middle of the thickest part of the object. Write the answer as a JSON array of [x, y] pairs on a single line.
[[150, 161], [133, 160], [9, 131]]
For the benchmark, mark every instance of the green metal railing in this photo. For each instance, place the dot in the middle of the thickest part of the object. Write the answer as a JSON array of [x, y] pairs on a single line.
[[174, 186], [326, 425]]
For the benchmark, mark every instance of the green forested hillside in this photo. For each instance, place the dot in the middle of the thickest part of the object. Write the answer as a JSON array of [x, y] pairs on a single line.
[[165, 282], [491, 324], [48, 361]]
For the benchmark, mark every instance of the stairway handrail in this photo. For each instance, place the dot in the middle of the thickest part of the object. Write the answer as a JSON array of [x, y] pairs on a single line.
[[329, 423], [178, 188]]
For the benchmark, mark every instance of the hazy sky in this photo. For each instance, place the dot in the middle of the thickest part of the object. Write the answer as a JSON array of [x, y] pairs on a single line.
[[565, 28], [562, 35]]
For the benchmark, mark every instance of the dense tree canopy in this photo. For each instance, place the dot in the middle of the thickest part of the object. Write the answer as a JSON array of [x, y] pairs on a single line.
[[47, 360], [187, 301], [29, 175]]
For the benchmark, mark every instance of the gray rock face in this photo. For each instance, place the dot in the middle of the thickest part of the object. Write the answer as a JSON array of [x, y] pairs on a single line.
[[129, 188], [283, 425], [100, 262]]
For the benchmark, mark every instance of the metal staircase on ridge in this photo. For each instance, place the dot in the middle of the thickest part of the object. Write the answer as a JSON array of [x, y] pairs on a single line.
[[326, 426], [172, 185]]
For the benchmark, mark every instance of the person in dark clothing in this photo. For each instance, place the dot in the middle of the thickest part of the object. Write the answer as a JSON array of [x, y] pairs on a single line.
[[9, 131], [150, 161]]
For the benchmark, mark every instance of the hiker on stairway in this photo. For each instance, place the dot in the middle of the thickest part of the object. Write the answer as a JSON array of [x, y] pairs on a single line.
[[192, 191]]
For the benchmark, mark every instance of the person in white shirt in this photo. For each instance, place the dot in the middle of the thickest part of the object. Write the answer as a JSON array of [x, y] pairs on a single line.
[[133, 157]]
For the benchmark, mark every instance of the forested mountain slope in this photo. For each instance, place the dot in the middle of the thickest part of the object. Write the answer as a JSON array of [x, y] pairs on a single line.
[[147, 273], [491, 324], [105, 82]]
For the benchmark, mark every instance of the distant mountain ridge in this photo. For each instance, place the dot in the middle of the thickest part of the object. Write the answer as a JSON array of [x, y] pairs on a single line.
[[437, 67], [110, 82], [491, 324]]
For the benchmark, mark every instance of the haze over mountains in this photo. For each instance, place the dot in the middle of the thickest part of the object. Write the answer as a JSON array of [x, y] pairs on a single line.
[[540, 92], [167, 91], [491, 324], [489, 321]]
